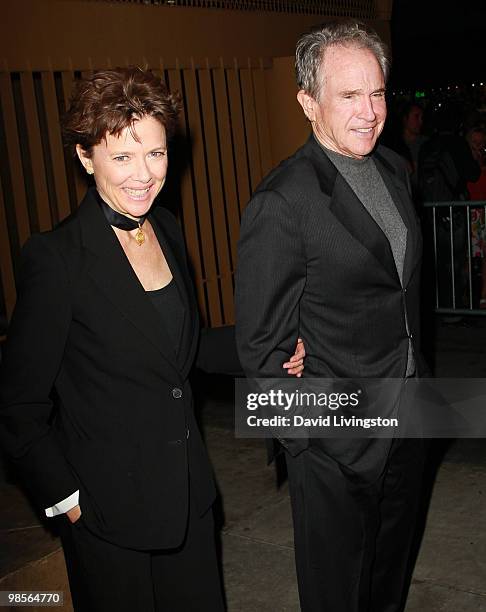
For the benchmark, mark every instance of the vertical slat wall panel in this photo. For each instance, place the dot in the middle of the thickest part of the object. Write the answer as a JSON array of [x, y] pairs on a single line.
[[79, 184], [224, 127], [251, 131], [262, 120], [67, 78], [216, 192], [227, 159], [239, 141], [189, 208], [201, 189], [36, 152], [14, 158], [55, 142], [6, 268]]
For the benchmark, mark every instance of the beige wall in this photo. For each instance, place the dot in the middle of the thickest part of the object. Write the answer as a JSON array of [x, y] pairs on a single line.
[[286, 121], [46, 34]]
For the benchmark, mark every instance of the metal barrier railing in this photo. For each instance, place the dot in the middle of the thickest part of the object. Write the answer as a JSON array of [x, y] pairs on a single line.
[[458, 261]]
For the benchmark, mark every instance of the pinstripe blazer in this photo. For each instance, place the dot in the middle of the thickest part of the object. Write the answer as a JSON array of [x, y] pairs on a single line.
[[313, 263]]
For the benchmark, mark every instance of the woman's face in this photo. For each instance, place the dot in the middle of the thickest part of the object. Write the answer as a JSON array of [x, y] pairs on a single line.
[[130, 173]]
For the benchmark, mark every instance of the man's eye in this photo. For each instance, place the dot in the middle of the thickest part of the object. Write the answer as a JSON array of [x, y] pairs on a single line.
[[121, 158], [157, 153]]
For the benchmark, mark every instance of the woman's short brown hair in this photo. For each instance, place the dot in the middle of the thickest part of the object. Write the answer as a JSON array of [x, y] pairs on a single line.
[[111, 100]]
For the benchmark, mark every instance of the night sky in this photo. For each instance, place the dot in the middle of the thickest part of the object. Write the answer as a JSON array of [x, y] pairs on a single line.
[[438, 42]]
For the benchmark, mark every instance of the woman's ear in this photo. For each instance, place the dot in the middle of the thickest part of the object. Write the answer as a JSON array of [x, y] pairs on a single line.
[[84, 159]]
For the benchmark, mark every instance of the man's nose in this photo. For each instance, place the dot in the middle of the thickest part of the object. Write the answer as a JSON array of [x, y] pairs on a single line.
[[367, 111]]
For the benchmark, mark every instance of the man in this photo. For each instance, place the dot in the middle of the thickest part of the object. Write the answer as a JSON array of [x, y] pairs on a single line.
[[412, 122], [330, 251], [410, 141]]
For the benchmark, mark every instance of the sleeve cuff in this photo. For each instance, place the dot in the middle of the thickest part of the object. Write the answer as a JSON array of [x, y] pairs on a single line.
[[63, 506]]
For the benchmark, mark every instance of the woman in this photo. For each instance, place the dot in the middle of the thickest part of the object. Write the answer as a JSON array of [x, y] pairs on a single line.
[[106, 318]]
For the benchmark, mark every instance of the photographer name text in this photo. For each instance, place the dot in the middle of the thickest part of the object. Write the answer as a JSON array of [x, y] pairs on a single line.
[[329, 420]]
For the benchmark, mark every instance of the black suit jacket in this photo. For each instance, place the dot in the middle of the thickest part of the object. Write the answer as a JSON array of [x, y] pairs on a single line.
[[313, 263], [84, 327]]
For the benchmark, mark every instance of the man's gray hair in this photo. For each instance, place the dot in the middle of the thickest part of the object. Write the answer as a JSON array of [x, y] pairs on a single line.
[[312, 46]]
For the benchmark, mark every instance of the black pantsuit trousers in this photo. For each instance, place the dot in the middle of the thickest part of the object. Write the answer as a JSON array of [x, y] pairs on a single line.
[[105, 577], [353, 542]]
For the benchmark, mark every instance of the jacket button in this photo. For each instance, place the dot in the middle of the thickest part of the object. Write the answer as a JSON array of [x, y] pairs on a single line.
[[176, 393]]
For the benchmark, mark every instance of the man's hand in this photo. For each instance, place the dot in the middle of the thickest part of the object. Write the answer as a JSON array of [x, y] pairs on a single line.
[[74, 514], [295, 365]]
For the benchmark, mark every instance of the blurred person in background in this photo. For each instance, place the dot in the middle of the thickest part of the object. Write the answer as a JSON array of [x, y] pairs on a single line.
[[446, 164], [405, 138], [476, 137]]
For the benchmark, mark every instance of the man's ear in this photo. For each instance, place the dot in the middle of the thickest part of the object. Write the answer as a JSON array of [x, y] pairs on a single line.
[[308, 105], [86, 161]]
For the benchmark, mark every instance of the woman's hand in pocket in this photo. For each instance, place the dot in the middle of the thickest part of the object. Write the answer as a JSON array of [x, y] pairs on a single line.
[[74, 514]]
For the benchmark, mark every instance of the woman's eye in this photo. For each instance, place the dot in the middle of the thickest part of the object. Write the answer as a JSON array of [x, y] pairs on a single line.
[[157, 153], [121, 158]]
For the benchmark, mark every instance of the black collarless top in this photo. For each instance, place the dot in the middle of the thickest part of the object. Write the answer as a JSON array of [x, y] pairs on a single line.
[[168, 304]]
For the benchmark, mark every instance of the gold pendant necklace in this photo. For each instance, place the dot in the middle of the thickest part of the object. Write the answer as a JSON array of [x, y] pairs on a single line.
[[140, 236]]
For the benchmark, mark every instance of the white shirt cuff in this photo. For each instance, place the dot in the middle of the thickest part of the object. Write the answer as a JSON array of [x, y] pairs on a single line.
[[64, 506]]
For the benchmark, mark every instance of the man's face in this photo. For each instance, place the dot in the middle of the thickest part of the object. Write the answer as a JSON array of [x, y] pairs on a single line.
[[413, 121], [350, 112]]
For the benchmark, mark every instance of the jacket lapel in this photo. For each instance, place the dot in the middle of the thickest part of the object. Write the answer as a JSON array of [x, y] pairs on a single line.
[[350, 212], [115, 278]]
